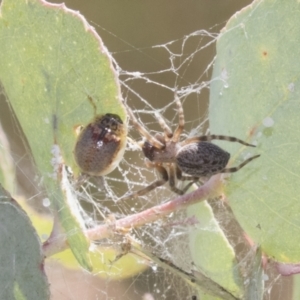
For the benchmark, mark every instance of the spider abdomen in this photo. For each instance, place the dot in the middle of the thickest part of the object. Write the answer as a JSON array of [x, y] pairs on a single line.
[[202, 159]]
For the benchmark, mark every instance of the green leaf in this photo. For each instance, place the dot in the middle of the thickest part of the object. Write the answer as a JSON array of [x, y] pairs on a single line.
[[211, 252], [255, 280], [57, 75], [7, 168], [296, 287], [22, 261], [255, 95]]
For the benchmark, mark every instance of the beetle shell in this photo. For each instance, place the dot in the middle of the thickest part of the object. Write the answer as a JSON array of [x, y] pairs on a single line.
[[202, 159], [100, 145]]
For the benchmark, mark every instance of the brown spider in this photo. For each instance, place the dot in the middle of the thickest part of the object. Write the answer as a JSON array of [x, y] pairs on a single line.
[[194, 157]]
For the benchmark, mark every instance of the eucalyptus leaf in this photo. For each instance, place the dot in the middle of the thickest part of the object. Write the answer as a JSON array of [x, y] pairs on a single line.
[[255, 95], [21, 258], [211, 251], [57, 75]]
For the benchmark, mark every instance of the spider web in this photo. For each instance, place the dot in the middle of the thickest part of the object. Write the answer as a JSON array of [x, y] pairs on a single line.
[[167, 238], [148, 92]]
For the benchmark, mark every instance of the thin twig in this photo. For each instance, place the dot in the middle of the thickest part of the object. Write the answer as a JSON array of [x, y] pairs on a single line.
[[210, 189]]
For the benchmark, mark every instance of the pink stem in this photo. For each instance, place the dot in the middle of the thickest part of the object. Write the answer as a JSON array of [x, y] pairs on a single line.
[[210, 189]]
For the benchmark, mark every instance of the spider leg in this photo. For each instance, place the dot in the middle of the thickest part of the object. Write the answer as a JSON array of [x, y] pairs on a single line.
[[180, 127], [235, 169], [172, 181], [208, 138], [177, 171], [143, 131], [164, 178], [168, 134], [185, 177], [192, 179]]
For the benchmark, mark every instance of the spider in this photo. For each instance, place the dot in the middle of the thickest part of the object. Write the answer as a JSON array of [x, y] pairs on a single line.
[[191, 159]]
